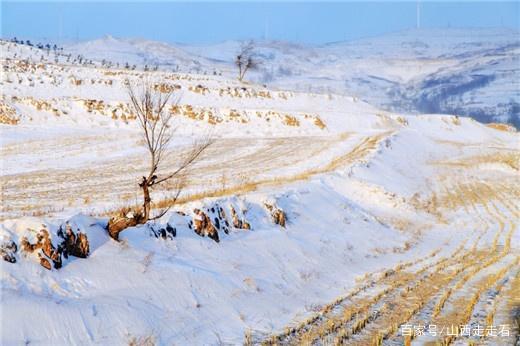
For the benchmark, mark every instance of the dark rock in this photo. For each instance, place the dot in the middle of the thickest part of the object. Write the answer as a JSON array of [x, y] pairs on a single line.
[[203, 226], [44, 262], [8, 250], [171, 230]]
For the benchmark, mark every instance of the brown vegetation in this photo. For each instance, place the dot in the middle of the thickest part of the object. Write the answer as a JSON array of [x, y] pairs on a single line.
[[277, 214], [72, 244], [8, 114]]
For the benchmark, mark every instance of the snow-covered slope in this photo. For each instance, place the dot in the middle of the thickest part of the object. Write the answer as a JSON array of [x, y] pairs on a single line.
[[472, 72], [139, 52], [385, 214]]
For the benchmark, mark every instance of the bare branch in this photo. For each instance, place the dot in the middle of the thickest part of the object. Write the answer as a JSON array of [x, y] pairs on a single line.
[[150, 106], [246, 59], [161, 214], [178, 188], [150, 109], [196, 150]]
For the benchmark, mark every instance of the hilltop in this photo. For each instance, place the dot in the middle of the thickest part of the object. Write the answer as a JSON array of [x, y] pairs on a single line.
[[469, 72]]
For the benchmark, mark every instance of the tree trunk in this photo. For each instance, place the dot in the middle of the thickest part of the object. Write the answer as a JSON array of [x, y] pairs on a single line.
[[118, 224], [147, 200]]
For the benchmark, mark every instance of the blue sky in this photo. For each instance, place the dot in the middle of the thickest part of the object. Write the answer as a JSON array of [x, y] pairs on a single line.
[[206, 22]]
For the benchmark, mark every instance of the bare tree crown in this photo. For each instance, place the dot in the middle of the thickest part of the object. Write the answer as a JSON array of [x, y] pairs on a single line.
[[246, 59], [154, 120], [150, 107]]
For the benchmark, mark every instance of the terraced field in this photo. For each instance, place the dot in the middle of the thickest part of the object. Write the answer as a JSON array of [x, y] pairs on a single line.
[[435, 299], [314, 218], [110, 176]]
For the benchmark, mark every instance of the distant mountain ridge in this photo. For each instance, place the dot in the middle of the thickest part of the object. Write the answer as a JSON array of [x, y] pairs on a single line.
[[469, 72]]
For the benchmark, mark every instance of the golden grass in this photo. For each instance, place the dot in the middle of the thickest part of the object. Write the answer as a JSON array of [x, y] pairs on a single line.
[[407, 293], [501, 127], [358, 313], [471, 193], [114, 182], [8, 114], [318, 122], [359, 151], [509, 158], [488, 322], [142, 341], [291, 120], [462, 312], [513, 304], [463, 308]]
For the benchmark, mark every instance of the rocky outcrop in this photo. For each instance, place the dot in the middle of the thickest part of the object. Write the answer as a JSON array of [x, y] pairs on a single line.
[[76, 245], [277, 214], [210, 221], [8, 250], [167, 232], [47, 251], [71, 244], [203, 226], [221, 221], [238, 222]]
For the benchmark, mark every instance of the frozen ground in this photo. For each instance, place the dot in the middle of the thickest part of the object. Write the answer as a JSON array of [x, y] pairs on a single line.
[[411, 217]]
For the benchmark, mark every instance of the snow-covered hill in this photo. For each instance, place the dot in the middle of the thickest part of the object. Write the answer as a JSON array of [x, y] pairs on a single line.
[[336, 220], [471, 72], [139, 52]]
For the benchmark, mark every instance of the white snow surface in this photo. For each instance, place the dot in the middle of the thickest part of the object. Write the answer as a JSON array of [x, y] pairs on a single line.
[[190, 289], [471, 72]]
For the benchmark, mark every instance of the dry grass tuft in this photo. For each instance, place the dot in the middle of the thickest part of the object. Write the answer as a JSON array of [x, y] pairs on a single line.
[[142, 341], [501, 127], [318, 122], [8, 114]]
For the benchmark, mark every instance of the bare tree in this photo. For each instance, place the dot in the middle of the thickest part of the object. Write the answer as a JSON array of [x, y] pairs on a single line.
[[246, 59], [150, 108]]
